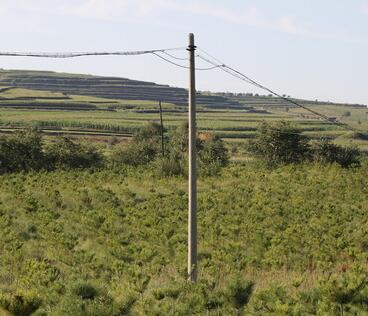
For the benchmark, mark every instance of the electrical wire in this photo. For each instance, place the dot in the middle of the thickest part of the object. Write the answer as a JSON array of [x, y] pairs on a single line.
[[218, 64], [175, 57], [181, 66], [247, 79], [81, 54], [155, 52]]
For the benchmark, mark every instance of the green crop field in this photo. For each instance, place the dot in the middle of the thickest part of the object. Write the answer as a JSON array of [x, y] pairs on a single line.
[[96, 224], [105, 242], [24, 103]]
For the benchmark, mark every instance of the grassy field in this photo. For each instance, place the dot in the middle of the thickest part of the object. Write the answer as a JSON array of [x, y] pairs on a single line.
[[120, 237], [112, 240]]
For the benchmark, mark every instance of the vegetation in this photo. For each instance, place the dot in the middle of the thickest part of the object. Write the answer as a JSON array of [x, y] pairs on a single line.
[[146, 146], [281, 143], [101, 229], [106, 242]]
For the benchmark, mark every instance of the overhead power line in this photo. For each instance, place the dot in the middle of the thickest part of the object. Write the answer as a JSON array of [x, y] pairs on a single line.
[[245, 78], [182, 66], [215, 62], [175, 57], [155, 52], [237, 74], [81, 54]]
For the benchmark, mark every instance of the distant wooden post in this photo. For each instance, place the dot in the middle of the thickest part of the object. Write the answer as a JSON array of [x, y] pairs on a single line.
[[192, 203], [162, 131]]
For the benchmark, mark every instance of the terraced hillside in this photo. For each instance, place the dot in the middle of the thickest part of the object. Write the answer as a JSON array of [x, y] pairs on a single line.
[[91, 106], [256, 100], [107, 87]]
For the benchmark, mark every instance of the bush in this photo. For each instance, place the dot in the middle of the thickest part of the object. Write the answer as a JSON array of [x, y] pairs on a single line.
[[21, 152], [169, 167], [279, 143], [144, 147], [64, 153], [213, 155], [211, 152], [134, 154], [85, 291], [326, 152], [239, 292], [346, 292], [19, 304]]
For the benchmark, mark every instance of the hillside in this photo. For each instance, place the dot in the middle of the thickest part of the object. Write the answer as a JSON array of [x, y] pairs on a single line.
[[107, 87], [115, 88], [85, 105]]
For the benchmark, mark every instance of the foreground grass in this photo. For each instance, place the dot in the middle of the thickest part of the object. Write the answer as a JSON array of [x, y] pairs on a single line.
[[113, 242]]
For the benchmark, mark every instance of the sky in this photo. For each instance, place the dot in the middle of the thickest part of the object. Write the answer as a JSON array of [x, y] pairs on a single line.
[[303, 48]]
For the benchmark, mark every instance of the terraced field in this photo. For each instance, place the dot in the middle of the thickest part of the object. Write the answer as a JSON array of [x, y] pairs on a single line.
[[102, 106], [106, 87]]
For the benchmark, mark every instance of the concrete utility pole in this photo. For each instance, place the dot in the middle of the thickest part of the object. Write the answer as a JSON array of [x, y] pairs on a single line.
[[192, 214]]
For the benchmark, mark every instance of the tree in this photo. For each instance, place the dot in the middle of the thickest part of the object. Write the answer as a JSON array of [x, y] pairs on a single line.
[[143, 148], [64, 153], [239, 292], [213, 155], [326, 152], [21, 152], [279, 143]]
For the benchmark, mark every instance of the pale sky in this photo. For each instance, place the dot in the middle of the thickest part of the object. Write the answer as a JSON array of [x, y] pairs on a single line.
[[316, 49]]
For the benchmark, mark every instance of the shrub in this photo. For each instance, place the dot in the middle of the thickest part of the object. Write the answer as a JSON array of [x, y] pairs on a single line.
[[21, 152], [273, 301], [213, 155], [345, 291], [85, 291], [19, 304], [134, 154], [64, 153], [151, 133], [279, 143], [326, 152], [239, 292], [143, 148], [169, 167], [211, 151]]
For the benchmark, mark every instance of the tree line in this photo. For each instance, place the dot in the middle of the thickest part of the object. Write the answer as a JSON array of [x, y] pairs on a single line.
[[275, 144]]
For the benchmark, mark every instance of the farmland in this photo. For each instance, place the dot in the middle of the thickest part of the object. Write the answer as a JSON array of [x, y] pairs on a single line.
[[110, 238], [92, 114], [123, 233]]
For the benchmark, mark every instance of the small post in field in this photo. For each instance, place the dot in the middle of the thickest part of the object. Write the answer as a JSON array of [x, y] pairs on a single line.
[[162, 131]]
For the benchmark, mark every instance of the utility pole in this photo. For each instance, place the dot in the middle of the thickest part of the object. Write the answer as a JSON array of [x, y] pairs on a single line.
[[192, 205], [162, 130]]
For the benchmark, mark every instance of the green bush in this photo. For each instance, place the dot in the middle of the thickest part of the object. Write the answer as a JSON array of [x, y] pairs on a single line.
[[238, 293], [85, 291], [134, 154], [326, 152], [66, 154], [19, 304], [279, 143], [142, 149], [346, 292], [273, 301], [21, 152], [211, 152], [213, 155], [168, 167]]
